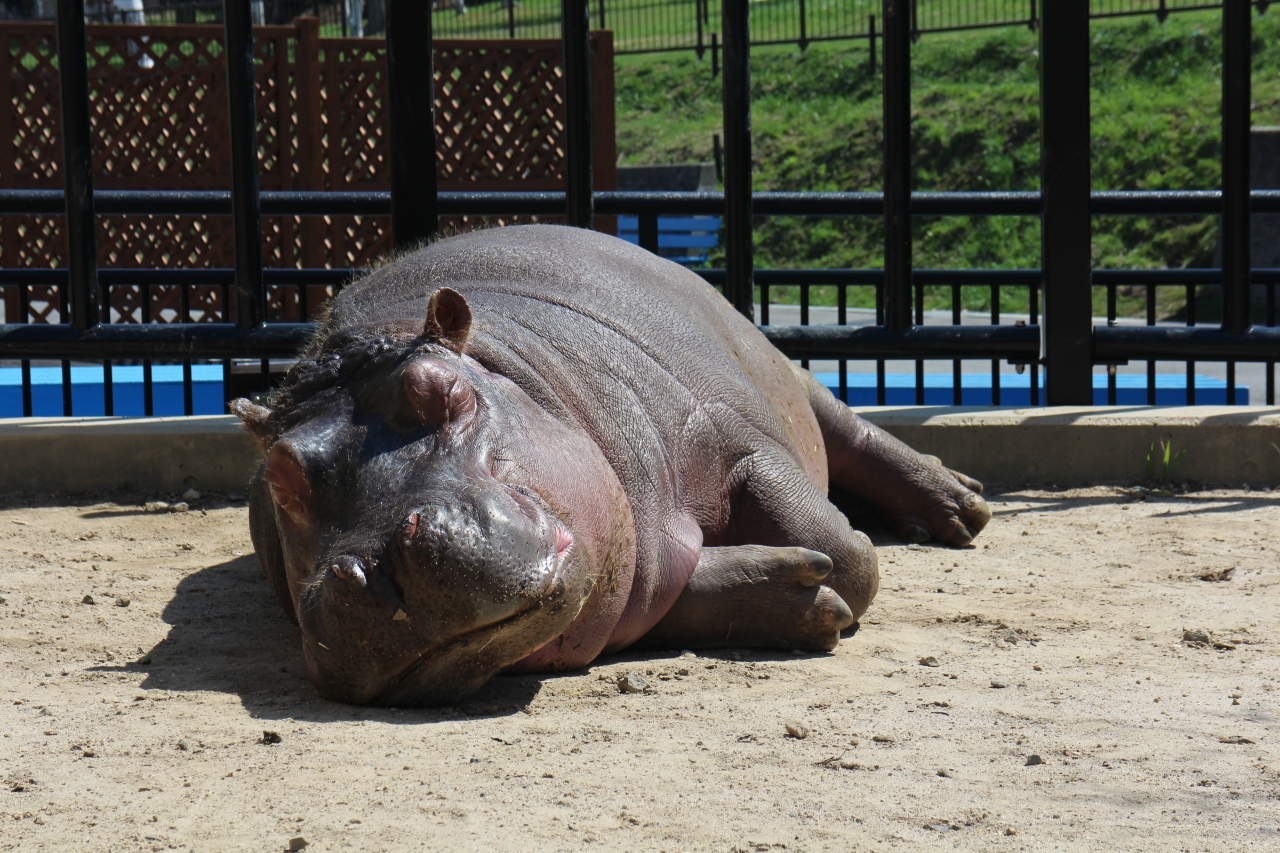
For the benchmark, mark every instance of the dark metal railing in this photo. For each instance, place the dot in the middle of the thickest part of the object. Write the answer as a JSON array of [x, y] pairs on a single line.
[[1058, 335]]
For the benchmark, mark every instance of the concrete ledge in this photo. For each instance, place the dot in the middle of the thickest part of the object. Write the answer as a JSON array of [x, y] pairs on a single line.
[[1063, 446], [1099, 444], [211, 453]]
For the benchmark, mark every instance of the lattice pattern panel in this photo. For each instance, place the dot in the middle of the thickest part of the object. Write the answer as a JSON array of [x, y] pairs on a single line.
[[500, 115], [159, 121]]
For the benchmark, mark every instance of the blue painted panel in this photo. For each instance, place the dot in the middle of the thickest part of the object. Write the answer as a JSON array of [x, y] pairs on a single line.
[[126, 381], [1015, 390]]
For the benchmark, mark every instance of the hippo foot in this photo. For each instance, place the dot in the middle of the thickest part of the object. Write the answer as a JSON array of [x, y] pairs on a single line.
[[755, 596], [934, 502]]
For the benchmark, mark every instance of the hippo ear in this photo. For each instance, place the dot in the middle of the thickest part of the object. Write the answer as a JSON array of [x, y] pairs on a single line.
[[448, 319], [438, 394], [256, 420], [290, 486]]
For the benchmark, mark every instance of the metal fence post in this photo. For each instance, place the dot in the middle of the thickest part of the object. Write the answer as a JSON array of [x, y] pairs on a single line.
[[1236, 120], [576, 30], [77, 165], [739, 245], [246, 203], [897, 164], [1067, 326], [411, 91]]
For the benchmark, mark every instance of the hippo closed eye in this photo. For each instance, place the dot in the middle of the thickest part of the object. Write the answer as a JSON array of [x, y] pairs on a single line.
[[517, 449]]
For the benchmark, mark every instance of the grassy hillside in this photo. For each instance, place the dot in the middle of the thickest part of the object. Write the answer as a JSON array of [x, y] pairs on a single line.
[[817, 126]]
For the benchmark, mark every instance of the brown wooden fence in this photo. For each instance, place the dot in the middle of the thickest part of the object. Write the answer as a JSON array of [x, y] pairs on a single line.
[[159, 103]]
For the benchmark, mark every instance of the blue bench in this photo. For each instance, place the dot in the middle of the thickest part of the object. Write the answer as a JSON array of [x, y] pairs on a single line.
[[683, 239], [1015, 390]]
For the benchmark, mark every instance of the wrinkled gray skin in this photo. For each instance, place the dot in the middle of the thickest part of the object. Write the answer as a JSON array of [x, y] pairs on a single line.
[[517, 449]]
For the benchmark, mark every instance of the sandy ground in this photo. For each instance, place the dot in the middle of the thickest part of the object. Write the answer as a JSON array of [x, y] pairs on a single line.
[[137, 722]]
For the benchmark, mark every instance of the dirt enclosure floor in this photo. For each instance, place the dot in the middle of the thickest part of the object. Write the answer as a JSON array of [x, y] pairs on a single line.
[[137, 721]]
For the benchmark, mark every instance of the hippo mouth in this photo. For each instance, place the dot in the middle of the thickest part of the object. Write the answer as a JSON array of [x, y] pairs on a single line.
[[441, 669]]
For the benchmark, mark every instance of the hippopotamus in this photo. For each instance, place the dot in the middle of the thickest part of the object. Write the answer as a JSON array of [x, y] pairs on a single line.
[[518, 449]]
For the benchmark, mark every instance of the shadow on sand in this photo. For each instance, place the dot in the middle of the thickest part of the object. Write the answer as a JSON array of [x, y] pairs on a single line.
[[227, 634]]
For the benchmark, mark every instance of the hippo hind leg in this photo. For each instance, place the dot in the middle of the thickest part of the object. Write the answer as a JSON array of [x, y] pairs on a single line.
[[924, 499], [755, 596]]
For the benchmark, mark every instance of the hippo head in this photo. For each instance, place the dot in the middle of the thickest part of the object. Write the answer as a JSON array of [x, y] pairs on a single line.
[[430, 525]]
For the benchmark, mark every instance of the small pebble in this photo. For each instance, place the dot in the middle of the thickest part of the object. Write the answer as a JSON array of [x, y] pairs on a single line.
[[122, 602], [999, 683], [632, 683], [1235, 739], [270, 738], [1037, 668], [882, 739], [180, 507], [1010, 831], [1033, 760], [296, 844], [929, 660], [797, 731], [191, 495], [39, 820], [88, 599], [156, 506], [944, 774], [1196, 636]]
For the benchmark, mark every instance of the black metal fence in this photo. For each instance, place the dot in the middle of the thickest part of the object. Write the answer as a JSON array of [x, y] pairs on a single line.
[[1058, 338], [650, 26]]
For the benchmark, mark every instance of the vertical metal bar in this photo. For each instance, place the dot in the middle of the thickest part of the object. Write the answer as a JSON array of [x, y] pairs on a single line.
[[148, 390], [66, 388], [804, 26], [1191, 365], [995, 362], [108, 389], [410, 74], [1067, 329], [699, 49], [1236, 58], [738, 242], [648, 231], [188, 391], [251, 296], [576, 30], [77, 164], [842, 318], [601, 25], [1151, 365], [871, 39], [24, 313], [897, 164]]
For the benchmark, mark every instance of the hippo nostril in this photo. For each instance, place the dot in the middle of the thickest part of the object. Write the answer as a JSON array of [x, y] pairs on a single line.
[[349, 569]]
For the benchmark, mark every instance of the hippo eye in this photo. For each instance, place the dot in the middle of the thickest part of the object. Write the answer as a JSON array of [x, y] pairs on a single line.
[[410, 528]]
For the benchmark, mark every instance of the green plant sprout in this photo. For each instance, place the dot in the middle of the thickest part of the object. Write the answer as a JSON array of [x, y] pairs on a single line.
[[1168, 459]]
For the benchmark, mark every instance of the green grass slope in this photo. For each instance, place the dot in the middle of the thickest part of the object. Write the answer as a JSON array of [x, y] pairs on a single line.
[[1156, 97]]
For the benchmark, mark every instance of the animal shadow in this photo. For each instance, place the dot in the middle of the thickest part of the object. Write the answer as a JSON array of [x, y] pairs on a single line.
[[227, 634]]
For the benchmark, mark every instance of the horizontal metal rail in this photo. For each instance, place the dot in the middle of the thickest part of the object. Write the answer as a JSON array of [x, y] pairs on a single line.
[[290, 203], [1018, 344]]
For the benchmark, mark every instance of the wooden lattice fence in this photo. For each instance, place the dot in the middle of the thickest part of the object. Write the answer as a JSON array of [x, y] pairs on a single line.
[[159, 118]]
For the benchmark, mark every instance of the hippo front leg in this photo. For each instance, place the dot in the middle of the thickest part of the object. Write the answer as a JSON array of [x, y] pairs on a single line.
[[755, 596]]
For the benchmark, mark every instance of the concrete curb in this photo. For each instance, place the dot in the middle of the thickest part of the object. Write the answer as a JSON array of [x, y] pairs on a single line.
[[1100, 444], [1062, 446], [210, 453]]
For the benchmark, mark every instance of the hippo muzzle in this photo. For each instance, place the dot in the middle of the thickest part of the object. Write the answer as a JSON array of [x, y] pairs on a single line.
[[466, 584]]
